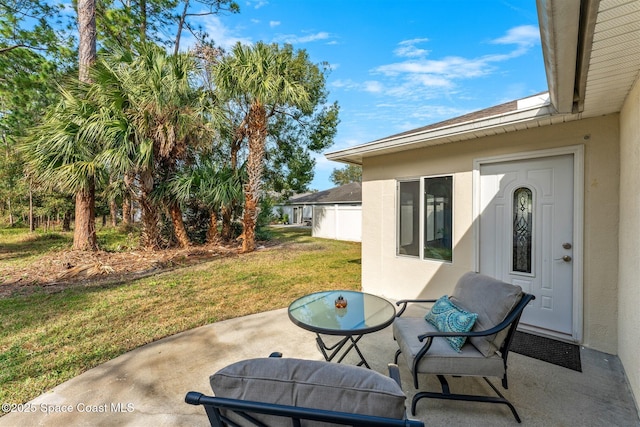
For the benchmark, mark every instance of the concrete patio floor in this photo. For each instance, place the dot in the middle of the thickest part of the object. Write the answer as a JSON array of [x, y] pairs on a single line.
[[146, 387]]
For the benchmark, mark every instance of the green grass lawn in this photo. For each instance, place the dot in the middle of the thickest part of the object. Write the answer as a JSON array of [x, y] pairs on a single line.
[[47, 339]]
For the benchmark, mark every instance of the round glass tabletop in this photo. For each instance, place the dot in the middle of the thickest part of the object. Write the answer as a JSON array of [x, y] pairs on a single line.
[[364, 313]]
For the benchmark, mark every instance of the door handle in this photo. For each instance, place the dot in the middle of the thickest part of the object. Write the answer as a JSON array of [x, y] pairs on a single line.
[[565, 258]]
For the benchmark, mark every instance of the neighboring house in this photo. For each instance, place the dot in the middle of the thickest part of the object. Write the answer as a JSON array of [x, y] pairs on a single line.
[[294, 212], [334, 214], [541, 192]]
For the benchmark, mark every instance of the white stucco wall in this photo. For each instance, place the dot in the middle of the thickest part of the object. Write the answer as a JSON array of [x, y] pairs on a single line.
[[386, 274], [629, 270]]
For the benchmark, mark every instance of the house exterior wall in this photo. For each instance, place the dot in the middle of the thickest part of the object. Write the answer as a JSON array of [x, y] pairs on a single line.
[[286, 210], [296, 214], [629, 263], [399, 277], [340, 222]]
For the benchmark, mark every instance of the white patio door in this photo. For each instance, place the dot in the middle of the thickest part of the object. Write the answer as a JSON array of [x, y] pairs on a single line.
[[526, 235]]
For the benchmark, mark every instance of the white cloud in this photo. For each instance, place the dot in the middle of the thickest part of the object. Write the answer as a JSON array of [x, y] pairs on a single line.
[[273, 24], [223, 36], [296, 39], [408, 49], [452, 67], [258, 4], [373, 86], [347, 84], [524, 35], [417, 76], [432, 81]]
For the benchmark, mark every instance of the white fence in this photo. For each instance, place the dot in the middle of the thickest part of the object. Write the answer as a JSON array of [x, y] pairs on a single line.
[[338, 222]]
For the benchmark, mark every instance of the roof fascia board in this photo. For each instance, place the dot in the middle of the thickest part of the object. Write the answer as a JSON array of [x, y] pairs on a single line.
[[588, 16], [559, 22]]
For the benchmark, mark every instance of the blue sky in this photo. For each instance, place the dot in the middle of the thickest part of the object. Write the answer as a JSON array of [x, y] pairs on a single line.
[[399, 65]]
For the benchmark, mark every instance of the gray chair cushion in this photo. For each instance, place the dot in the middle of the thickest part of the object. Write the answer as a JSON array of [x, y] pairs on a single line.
[[441, 358], [311, 384], [492, 300]]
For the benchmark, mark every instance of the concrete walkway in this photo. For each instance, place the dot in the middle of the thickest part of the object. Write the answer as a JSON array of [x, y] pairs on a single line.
[[146, 387]]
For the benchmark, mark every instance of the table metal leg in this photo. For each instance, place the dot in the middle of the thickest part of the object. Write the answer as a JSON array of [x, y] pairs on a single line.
[[337, 347]]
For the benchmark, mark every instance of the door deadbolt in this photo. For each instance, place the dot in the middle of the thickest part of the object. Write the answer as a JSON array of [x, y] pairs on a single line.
[[566, 245]]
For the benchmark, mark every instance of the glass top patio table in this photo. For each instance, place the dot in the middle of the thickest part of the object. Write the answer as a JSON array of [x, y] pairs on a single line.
[[364, 314]]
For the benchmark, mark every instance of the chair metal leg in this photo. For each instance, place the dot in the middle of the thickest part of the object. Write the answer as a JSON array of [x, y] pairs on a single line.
[[447, 395]]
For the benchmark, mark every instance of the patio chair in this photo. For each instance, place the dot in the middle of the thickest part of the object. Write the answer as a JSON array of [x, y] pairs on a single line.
[[278, 391], [451, 348]]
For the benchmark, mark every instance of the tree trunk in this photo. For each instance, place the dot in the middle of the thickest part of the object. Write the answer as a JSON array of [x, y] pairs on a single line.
[[127, 217], [66, 222], [10, 213], [227, 211], [143, 20], [183, 17], [227, 229], [126, 210], [212, 233], [113, 212], [249, 223], [150, 237], [32, 226], [84, 233], [87, 34], [178, 225], [257, 130]]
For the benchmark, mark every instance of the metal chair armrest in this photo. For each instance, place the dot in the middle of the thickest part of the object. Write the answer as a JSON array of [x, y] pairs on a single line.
[[295, 413], [404, 303]]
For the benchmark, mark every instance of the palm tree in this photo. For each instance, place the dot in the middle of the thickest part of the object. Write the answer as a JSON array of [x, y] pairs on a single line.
[[136, 115], [63, 153], [218, 188], [222, 192], [265, 80], [160, 118], [168, 112]]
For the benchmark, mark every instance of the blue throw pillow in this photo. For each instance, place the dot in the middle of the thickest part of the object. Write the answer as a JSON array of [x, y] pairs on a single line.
[[447, 317]]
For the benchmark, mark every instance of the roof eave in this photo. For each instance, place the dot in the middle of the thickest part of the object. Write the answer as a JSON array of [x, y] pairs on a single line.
[[442, 135], [566, 34], [559, 24]]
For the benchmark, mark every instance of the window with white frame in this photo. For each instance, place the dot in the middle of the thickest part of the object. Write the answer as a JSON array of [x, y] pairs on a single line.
[[424, 218]]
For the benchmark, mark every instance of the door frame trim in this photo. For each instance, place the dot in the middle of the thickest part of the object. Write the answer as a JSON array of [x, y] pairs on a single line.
[[578, 219]]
